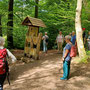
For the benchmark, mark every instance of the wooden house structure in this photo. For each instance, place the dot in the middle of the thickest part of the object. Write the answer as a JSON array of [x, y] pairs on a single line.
[[33, 37]]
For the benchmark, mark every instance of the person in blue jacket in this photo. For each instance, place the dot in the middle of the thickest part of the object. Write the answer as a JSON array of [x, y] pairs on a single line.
[[73, 38], [66, 58]]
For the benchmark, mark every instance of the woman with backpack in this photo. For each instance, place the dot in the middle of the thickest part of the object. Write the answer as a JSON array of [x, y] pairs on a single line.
[[66, 58], [4, 69], [45, 42]]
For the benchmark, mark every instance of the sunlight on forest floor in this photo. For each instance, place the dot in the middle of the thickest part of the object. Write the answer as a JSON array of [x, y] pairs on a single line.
[[44, 74]]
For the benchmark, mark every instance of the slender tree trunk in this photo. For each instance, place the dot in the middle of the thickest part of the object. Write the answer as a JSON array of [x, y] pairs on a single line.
[[81, 49], [36, 8], [10, 24], [0, 26]]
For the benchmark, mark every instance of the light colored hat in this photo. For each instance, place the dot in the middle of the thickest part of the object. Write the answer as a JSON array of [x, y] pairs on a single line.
[[2, 41]]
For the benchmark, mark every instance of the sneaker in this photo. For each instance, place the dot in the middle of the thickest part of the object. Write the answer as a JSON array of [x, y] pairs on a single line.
[[63, 78]]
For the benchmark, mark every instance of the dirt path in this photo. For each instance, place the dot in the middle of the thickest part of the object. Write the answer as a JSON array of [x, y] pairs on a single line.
[[44, 74]]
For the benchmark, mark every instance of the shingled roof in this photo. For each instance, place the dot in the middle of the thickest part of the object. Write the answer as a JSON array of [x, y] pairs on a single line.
[[29, 21]]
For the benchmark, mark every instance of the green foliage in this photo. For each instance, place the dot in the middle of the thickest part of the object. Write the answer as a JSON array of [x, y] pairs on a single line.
[[57, 15], [84, 60], [88, 53]]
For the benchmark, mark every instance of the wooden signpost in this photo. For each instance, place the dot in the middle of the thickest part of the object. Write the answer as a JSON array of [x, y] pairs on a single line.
[[33, 37]]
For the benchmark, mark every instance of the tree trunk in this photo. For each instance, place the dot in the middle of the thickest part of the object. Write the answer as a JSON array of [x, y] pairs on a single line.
[[36, 8], [10, 24], [81, 49], [0, 26]]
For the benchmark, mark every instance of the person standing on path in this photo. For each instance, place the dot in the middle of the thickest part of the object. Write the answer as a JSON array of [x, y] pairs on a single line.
[[88, 40], [73, 38], [66, 58], [4, 53], [73, 41], [84, 35], [60, 40], [45, 39]]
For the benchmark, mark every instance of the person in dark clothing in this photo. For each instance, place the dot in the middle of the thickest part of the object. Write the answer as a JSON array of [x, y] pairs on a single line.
[[88, 40], [84, 35], [2, 79]]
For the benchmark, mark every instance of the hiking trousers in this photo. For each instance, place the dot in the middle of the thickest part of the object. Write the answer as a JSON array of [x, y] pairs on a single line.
[[44, 47], [2, 79], [66, 69], [60, 47]]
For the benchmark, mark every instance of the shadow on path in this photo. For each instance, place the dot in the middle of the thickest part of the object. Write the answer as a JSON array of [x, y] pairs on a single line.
[[44, 74]]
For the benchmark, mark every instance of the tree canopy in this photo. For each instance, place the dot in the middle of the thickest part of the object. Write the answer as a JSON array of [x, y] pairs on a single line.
[[57, 15]]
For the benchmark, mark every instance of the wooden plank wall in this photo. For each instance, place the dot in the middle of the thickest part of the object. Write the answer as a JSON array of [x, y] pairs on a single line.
[[33, 39]]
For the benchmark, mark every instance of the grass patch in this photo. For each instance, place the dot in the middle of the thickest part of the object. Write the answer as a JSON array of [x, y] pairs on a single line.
[[88, 53], [84, 60], [87, 58]]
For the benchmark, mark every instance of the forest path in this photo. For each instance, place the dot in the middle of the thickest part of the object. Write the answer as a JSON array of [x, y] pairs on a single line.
[[44, 74]]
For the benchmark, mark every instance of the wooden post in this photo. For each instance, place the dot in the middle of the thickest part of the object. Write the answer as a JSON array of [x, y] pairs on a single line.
[[38, 45]]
